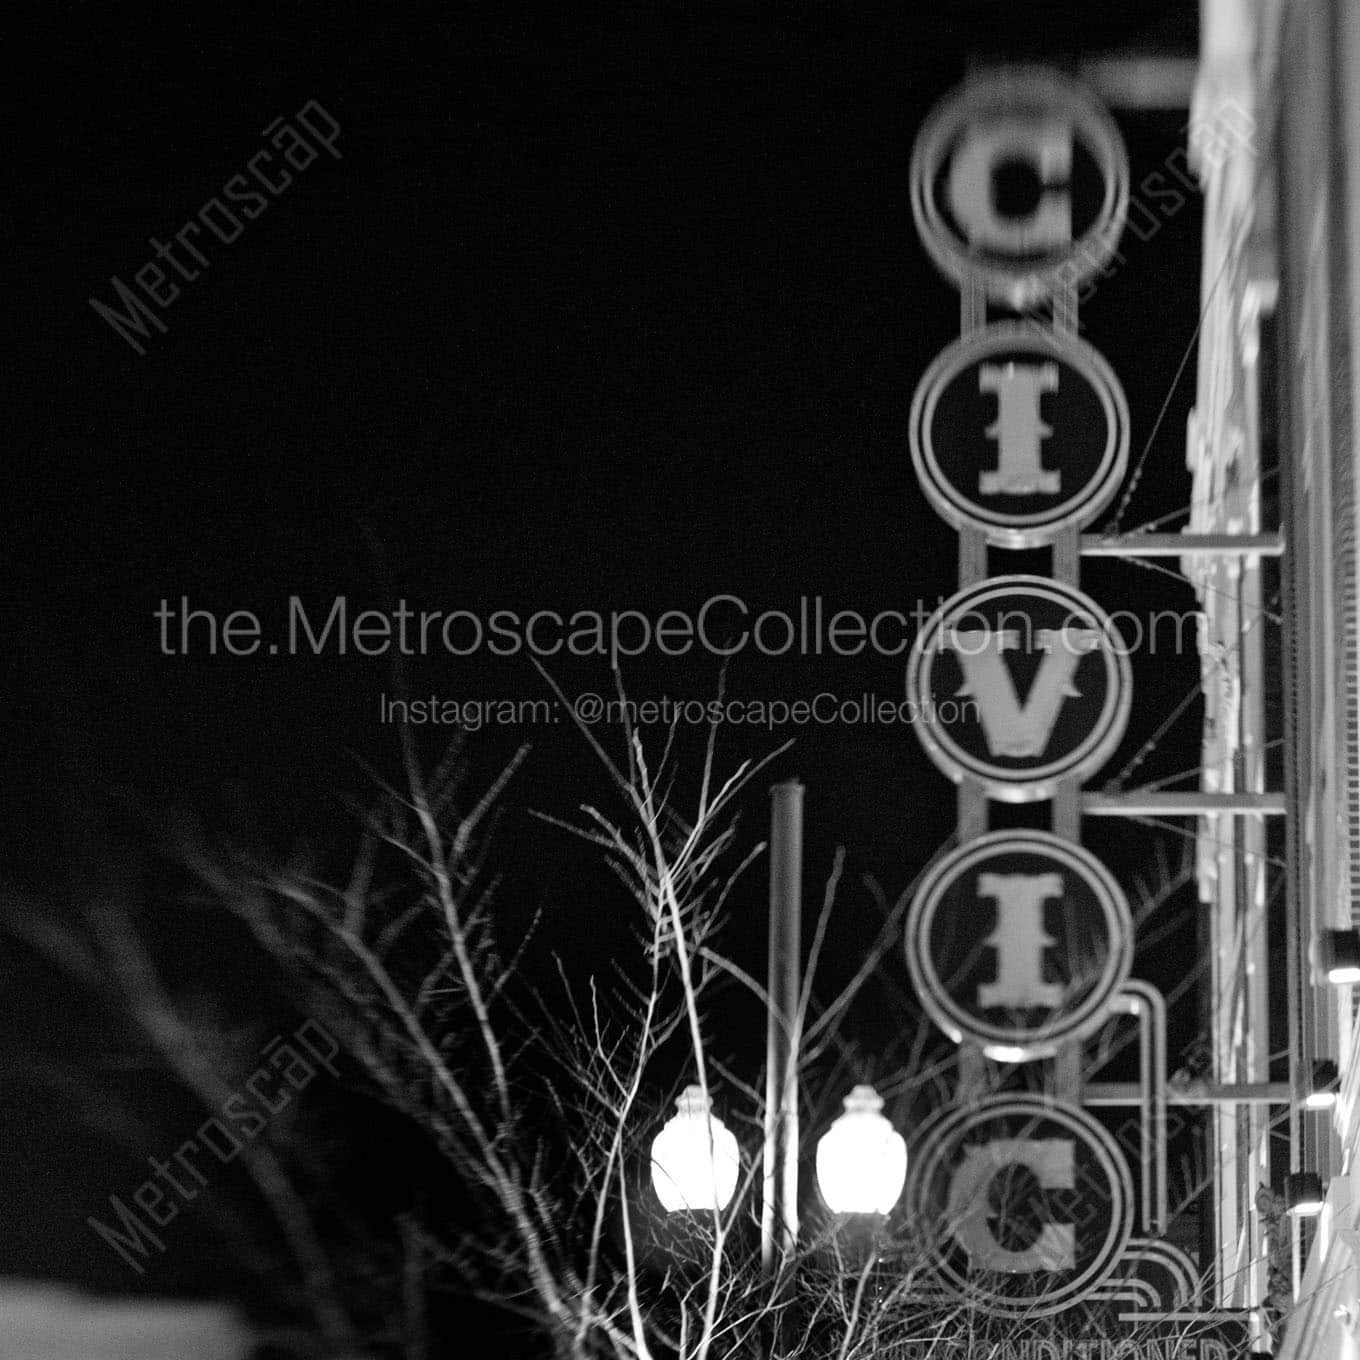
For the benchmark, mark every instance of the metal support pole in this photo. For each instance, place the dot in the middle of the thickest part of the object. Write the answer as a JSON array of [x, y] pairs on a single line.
[[1067, 809], [1183, 545], [972, 557], [1134, 80], [1145, 1003], [1192, 803], [1065, 298], [1067, 557], [972, 1080], [1067, 1073], [972, 805], [972, 305], [779, 1208], [1193, 1093]]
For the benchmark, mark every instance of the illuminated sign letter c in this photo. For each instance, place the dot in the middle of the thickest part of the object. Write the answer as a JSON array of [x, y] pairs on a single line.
[[1052, 1161], [1043, 144]]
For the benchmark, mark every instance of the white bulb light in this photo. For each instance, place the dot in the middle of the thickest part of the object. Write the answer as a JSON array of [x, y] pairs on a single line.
[[1337, 952], [861, 1158], [1303, 1194], [695, 1161]]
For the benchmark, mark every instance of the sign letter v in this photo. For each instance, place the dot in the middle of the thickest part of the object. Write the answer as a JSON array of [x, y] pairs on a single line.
[[1010, 727]]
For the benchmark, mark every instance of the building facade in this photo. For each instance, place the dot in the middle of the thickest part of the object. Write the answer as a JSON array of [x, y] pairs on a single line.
[[1275, 140]]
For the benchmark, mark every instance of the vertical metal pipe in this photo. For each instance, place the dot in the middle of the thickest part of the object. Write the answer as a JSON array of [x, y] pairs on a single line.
[[779, 1209], [972, 1075], [972, 556], [1295, 608], [1146, 1004], [1067, 1073], [972, 304], [972, 810], [1067, 557]]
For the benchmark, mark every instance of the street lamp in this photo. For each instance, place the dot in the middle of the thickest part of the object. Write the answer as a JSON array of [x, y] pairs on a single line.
[[861, 1158], [1338, 956], [1303, 1196], [1322, 1094], [694, 1158]]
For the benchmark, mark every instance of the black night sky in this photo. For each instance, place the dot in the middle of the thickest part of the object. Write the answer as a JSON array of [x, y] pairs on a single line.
[[602, 309]]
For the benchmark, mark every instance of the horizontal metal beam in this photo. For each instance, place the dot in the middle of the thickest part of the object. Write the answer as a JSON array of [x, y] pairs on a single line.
[[1181, 545], [1193, 803], [1195, 1093], [1137, 81]]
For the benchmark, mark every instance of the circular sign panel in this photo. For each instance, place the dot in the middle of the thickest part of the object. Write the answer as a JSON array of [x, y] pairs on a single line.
[[1020, 432], [1025, 1203], [1019, 682], [1020, 181], [1018, 940]]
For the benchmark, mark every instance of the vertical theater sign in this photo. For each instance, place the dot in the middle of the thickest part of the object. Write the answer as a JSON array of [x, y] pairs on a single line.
[[1020, 943]]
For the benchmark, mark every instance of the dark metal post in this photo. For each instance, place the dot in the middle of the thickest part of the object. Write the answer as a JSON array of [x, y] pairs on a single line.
[[779, 1208]]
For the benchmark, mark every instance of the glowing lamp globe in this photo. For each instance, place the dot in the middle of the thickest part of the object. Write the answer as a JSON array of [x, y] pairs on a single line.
[[1303, 1194], [1322, 1094], [695, 1161], [1338, 956], [861, 1158]]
